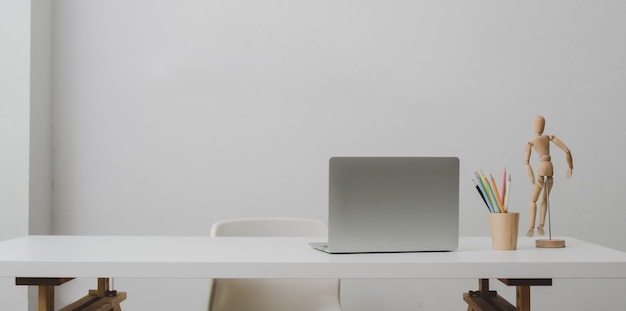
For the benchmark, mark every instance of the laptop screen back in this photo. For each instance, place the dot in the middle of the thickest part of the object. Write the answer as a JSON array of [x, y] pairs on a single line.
[[393, 204]]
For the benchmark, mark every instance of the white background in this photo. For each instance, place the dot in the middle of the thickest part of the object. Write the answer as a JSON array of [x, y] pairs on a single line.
[[170, 115]]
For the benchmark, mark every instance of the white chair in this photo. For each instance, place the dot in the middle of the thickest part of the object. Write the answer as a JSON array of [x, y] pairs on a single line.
[[273, 294]]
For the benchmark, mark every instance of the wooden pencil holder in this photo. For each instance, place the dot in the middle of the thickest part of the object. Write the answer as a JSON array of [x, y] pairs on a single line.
[[504, 230]]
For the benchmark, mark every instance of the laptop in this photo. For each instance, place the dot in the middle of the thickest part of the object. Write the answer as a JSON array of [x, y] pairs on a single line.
[[392, 204]]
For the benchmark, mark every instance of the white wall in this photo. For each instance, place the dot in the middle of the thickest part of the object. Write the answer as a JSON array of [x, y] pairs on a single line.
[[14, 117], [170, 115], [14, 134]]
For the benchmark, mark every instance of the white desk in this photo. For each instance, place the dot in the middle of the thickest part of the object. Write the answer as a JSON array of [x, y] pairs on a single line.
[[253, 257], [232, 257]]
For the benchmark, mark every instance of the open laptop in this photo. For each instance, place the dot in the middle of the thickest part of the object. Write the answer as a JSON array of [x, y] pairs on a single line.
[[392, 204]]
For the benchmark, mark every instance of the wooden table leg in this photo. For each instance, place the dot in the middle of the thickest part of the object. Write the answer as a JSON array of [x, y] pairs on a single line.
[[45, 288], [45, 298], [483, 287], [99, 299], [486, 300], [522, 294], [522, 290], [103, 288]]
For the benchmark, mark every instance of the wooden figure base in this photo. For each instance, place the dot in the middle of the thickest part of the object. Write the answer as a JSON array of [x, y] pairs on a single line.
[[545, 243]]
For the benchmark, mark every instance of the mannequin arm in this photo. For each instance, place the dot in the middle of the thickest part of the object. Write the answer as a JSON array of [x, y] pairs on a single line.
[[568, 154], [529, 168]]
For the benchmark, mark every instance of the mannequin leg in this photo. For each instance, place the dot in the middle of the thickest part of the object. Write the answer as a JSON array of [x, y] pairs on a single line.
[[533, 210], [542, 212], [532, 213], [544, 203]]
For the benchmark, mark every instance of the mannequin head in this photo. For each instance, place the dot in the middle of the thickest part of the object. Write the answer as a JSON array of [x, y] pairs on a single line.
[[539, 124]]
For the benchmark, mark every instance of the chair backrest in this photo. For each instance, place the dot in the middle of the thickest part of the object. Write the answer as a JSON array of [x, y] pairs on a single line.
[[273, 294], [269, 227]]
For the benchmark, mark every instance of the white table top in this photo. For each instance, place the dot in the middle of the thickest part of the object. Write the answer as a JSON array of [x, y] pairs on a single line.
[[278, 257]]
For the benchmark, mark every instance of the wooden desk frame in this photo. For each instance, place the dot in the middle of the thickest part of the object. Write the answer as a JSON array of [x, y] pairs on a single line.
[[486, 300], [105, 299], [100, 299]]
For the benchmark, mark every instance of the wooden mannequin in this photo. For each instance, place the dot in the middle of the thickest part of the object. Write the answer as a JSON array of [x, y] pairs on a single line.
[[544, 182]]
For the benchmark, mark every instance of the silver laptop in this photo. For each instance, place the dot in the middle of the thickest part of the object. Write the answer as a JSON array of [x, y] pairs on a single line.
[[392, 204]]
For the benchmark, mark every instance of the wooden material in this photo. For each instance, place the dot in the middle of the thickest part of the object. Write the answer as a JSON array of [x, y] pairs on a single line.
[[526, 282], [522, 290], [493, 303], [103, 288], [95, 303], [543, 184], [486, 300], [45, 290], [554, 243], [100, 299], [45, 298], [41, 281], [504, 229]]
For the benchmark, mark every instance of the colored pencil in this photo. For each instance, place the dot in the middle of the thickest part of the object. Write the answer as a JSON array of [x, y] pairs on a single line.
[[482, 195], [490, 193], [506, 197], [497, 200], [485, 191], [497, 194], [503, 184]]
